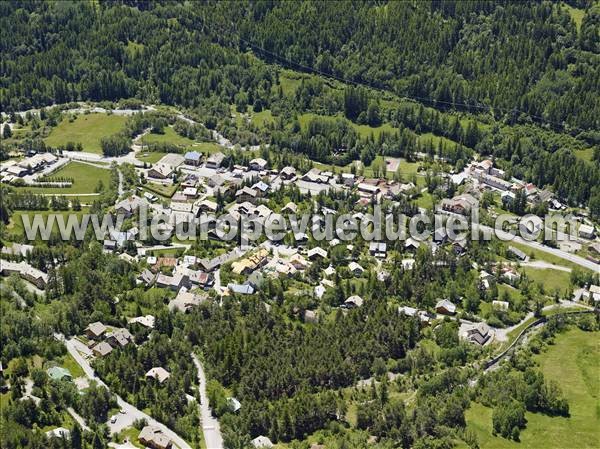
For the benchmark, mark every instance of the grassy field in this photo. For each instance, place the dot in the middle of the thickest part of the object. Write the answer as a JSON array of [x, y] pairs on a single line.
[[542, 255], [67, 361], [551, 279], [169, 136], [85, 179], [86, 129], [15, 226], [362, 130], [585, 155], [430, 137], [159, 189], [574, 362]]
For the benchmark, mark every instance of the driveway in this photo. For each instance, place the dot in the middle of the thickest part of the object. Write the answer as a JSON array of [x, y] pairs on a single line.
[[210, 424]]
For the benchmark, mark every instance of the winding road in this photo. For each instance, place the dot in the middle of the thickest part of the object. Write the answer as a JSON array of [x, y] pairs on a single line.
[[128, 409]]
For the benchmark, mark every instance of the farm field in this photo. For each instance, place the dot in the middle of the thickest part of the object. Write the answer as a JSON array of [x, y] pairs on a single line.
[[573, 361], [169, 136], [87, 129], [85, 179]]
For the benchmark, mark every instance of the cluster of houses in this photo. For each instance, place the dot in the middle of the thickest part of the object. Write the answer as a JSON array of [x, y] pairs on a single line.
[[25, 271], [35, 164]]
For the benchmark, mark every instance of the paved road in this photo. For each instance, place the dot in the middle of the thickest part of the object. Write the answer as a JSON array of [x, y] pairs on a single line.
[[554, 251], [78, 418], [210, 425], [129, 410]]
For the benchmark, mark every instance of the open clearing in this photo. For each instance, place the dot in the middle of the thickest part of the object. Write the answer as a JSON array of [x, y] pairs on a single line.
[[86, 129], [85, 179], [573, 362]]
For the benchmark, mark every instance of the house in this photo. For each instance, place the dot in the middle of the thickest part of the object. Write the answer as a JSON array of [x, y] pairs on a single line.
[[159, 374], [190, 192], [200, 278], [240, 289], [378, 249], [462, 204], [147, 277], [25, 271], [59, 432], [355, 268], [313, 253], [192, 158], [160, 171], [102, 349], [353, 301], [408, 264], [129, 206], [594, 293], [485, 279], [301, 238], [510, 276], [479, 333], [262, 442], [154, 438], [287, 173], [348, 179], [407, 310], [315, 175], [587, 232], [246, 194], [120, 337], [174, 282], [445, 307], [207, 206], [289, 208], [500, 305], [311, 316], [234, 404], [215, 160], [59, 373], [250, 263], [411, 244], [185, 300], [95, 330], [367, 190], [257, 164], [109, 245], [261, 187], [298, 262], [146, 321], [516, 252]]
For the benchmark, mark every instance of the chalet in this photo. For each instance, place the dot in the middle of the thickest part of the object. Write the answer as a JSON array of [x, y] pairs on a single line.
[[193, 158], [250, 263], [289, 208], [240, 289], [261, 187], [174, 282], [298, 262], [262, 442], [311, 316], [234, 404], [109, 245], [316, 252], [95, 331], [185, 300], [154, 438], [301, 238], [59, 432], [355, 268], [207, 206], [348, 179], [257, 164], [287, 173], [147, 277], [159, 374], [160, 171], [353, 302], [462, 204], [315, 175], [215, 160], [500, 305], [479, 333], [144, 320], [378, 249], [516, 252], [59, 373], [368, 190], [102, 349], [445, 307], [246, 194], [587, 232], [411, 244], [119, 338]]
